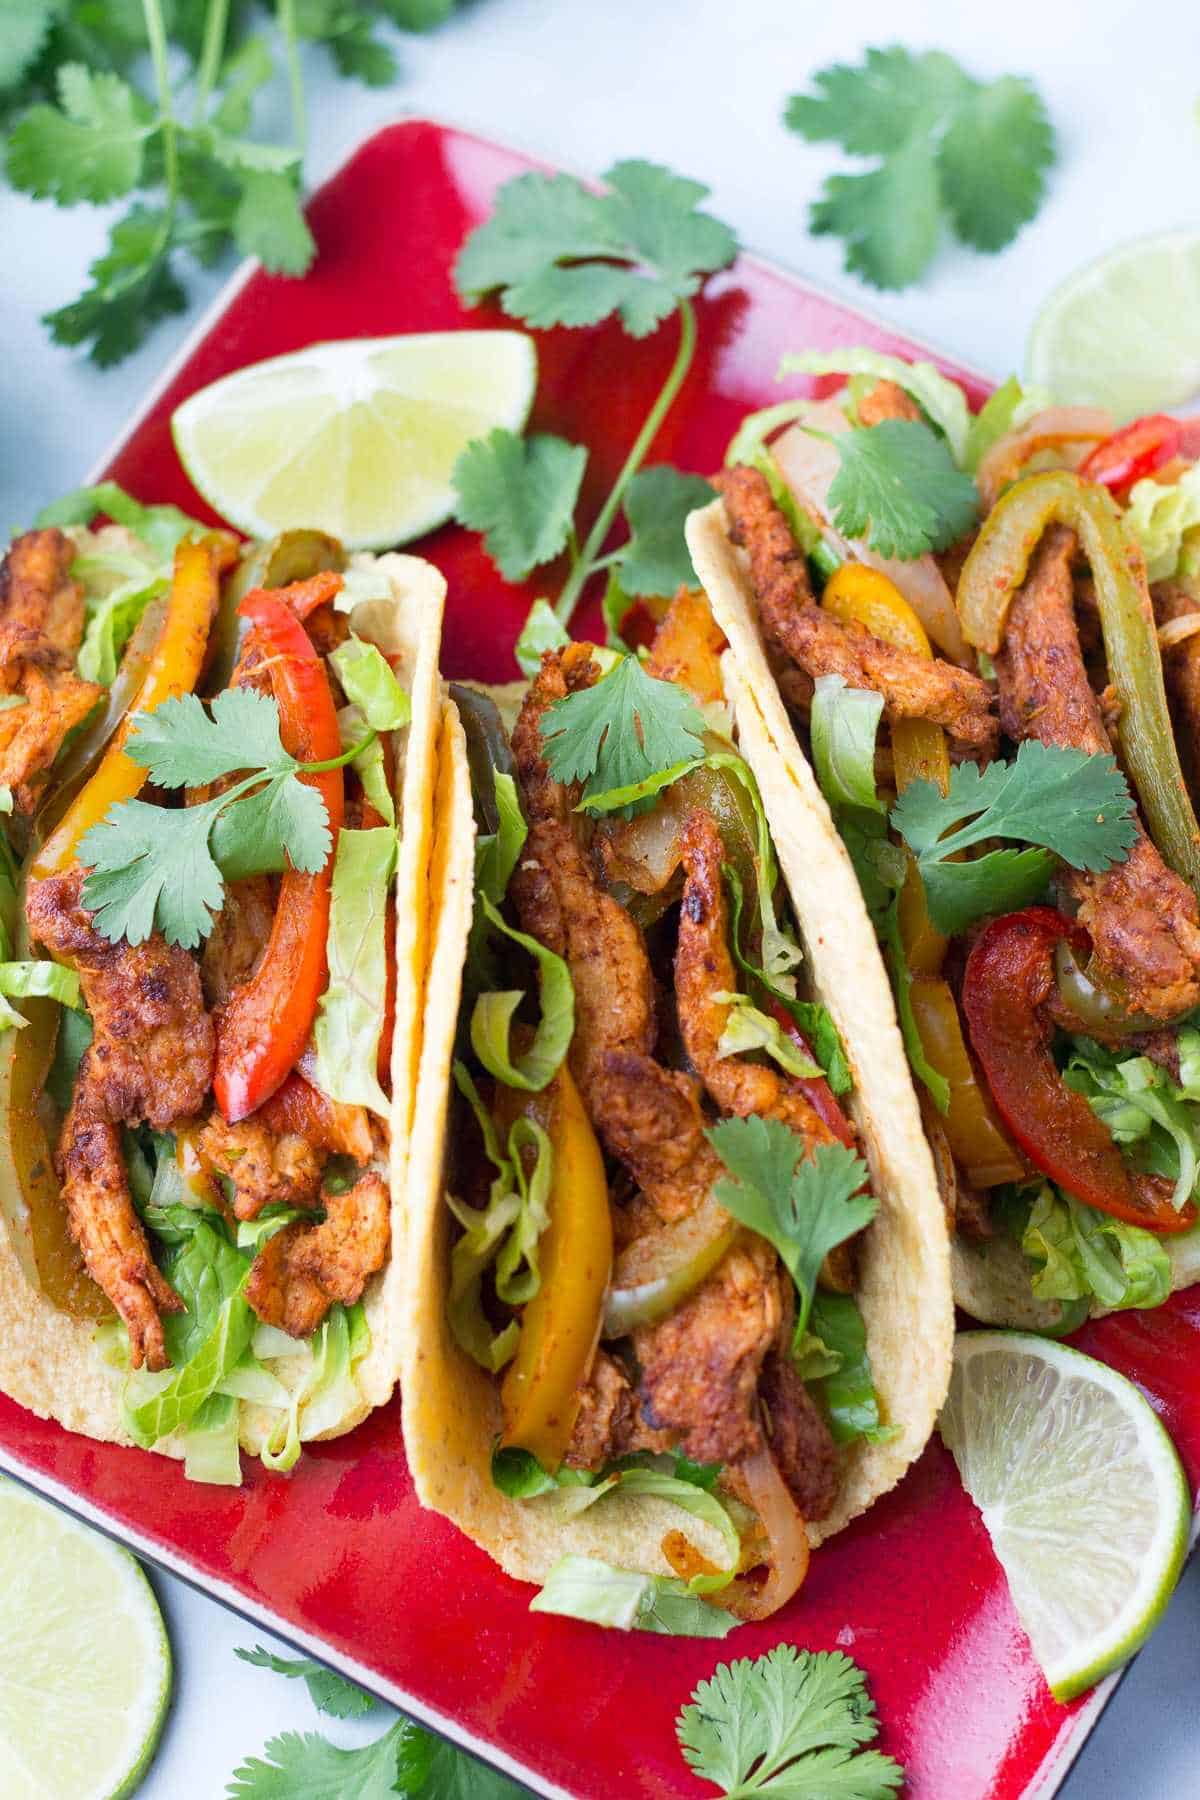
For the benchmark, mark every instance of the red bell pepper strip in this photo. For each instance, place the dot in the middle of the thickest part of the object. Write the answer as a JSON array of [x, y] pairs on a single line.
[[815, 1088], [1009, 974], [1133, 452], [300, 597], [264, 1026]]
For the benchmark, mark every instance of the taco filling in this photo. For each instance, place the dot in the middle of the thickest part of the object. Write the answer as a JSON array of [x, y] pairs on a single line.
[[200, 924], [984, 633], [655, 1211]]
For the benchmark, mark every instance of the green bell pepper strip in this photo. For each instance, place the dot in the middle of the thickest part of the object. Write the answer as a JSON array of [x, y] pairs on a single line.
[[995, 570]]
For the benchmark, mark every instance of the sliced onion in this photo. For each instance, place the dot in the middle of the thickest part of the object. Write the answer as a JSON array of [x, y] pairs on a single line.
[[1053, 429], [656, 1272], [762, 1487], [809, 465], [1177, 631]]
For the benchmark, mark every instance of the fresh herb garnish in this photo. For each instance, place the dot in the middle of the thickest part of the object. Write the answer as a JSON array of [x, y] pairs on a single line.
[[330, 1692], [621, 731], [899, 483], [952, 153], [1072, 805], [804, 1206], [159, 868], [93, 133], [792, 1722], [559, 254]]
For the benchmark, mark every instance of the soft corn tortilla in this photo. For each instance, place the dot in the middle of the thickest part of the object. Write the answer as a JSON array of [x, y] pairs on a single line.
[[451, 1407], [48, 1361]]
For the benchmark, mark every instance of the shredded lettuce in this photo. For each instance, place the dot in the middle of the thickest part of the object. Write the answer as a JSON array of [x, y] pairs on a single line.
[[370, 765], [351, 1012], [583, 1587], [210, 1443], [159, 527], [496, 852], [1166, 523], [1079, 1254], [749, 1029], [1004, 409], [847, 1388], [27, 980], [1155, 1119], [494, 1010], [748, 440], [845, 766], [940, 399], [542, 630], [368, 682], [502, 1236], [74, 1036]]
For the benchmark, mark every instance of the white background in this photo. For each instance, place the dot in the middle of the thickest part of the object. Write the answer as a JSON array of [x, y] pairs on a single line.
[[700, 86]]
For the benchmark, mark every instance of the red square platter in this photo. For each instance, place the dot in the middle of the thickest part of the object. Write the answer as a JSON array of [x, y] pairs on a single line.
[[338, 1556]]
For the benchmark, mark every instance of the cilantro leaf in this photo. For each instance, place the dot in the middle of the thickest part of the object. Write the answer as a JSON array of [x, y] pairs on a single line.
[[151, 867], [562, 255], [89, 147], [24, 28], [182, 746], [804, 1206], [132, 287], [1073, 805], [952, 152], [522, 493], [308, 1767], [899, 479], [657, 502], [993, 162], [621, 731], [283, 821], [269, 223], [330, 1692], [792, 1722], [248, 69]]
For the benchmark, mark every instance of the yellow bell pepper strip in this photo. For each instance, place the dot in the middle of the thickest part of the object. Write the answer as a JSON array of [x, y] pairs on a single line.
[[995, 570], [30, 1196], [173, 669], [560, 1325], [856, 594], [971, 1124]]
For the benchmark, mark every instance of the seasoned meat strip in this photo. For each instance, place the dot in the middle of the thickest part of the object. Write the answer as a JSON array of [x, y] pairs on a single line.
[[887, 400], [799, 1438], [304, 1269], [41, 625], [700, 1366], [703, 969], [152, 1055], [1181, 672], [150, 1058], [912, 687], [1142, 917], [239, 936], [265, 1169], [108, 1231]]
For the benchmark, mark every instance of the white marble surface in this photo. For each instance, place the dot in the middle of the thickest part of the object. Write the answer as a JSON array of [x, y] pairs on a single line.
[[698, 84]]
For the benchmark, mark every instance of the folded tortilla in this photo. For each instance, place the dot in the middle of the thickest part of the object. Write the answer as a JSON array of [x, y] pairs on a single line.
[[49, 1362], [451, 1406]]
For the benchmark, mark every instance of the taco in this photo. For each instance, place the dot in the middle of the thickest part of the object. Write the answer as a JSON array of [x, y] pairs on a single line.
[[217, 768], [981, 632], [667, 1328]]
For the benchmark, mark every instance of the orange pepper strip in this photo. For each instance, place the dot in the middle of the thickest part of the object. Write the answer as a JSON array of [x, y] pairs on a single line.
[[263, 1028], [174, 668]]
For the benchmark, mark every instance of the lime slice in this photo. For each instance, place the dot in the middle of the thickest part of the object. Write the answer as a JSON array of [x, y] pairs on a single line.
[[1082, 1493], [356, 438], [85, 1667], [1124, 332]]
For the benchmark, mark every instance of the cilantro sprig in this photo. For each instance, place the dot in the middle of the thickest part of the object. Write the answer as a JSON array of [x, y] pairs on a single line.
[[1057, 802], [159, 868], [899, 482], [792, 1722], [88, 130], [329, 1692], [559, 254], [951, 153], [804, 1206], [620, 733]]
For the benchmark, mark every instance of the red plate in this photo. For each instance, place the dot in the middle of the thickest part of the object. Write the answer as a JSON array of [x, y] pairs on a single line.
[[339, 1556]]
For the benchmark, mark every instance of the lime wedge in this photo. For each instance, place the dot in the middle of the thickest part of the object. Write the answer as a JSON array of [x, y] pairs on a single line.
[[1124, 332], [85, 1667], [356, 438], [1081, 1490]]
